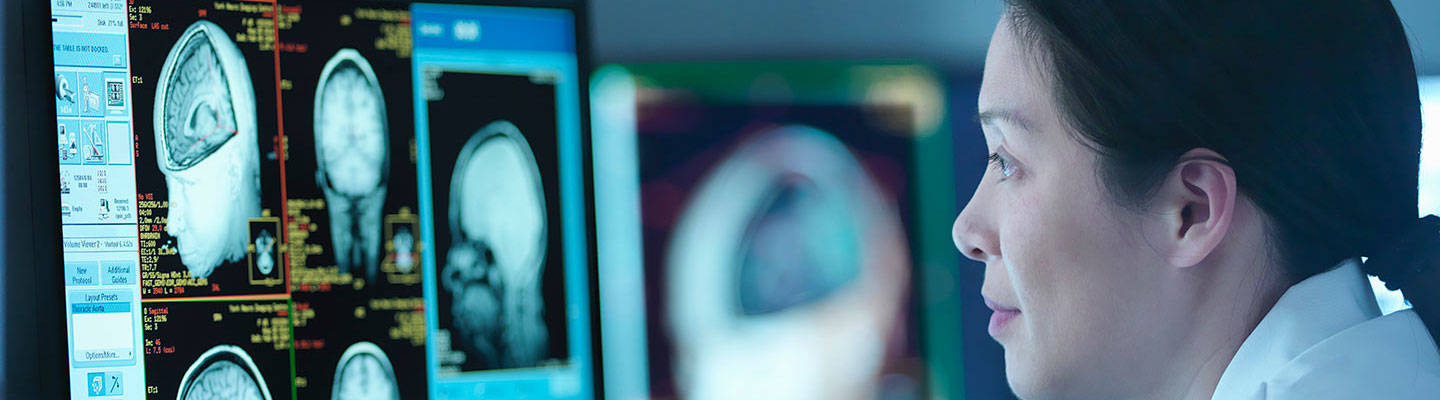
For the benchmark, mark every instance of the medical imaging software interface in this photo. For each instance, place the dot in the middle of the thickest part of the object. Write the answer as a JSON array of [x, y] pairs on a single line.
[[353, 200]]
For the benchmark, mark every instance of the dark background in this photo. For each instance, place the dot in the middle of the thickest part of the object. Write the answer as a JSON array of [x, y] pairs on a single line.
[[190, 320], [471, 101]]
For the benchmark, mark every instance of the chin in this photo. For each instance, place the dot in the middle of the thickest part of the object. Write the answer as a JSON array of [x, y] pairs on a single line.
[[200, 263], [1028, 377]]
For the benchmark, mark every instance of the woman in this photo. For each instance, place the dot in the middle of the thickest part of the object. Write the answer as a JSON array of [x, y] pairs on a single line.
[[1181, 193]]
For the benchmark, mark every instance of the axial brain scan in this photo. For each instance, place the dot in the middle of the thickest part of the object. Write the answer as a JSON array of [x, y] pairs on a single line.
[[497, 220], [353, 158], [405, 257], [365, 373], [265, 252], [224, 372], [787, 250], [205, 137]]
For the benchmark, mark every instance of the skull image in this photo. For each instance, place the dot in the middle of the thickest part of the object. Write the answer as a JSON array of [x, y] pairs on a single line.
[[785, 273], [352, 159], [493, 268], [205, 140]]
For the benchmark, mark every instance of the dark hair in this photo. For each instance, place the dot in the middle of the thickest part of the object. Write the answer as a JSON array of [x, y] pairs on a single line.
[[1314, 105]]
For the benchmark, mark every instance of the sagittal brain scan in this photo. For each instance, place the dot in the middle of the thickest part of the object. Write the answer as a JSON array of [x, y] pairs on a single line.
[[493, 270], [787, 250], [205, 139], [364, 373], [353, 159], [224, 372]]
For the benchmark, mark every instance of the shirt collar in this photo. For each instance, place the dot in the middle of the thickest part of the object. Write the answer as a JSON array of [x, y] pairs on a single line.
[[1309, 312]]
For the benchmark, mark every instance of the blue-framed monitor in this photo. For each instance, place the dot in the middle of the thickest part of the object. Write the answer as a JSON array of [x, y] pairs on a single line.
[[502, 200], [277, 199]]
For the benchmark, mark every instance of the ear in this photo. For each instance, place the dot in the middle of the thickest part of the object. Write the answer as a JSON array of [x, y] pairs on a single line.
[[1197, 203]]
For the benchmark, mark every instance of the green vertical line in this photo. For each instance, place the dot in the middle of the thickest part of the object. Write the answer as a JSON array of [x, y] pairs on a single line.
[[294, 390]]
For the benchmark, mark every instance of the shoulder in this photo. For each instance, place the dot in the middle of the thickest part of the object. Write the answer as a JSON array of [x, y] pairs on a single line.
[[1389, 357]]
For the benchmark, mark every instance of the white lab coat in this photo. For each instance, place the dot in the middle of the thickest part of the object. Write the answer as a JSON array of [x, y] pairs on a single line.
[[1325, 339]]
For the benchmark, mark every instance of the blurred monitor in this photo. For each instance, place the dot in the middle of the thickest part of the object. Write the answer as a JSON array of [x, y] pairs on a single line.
[[792, 216], [275, 200]]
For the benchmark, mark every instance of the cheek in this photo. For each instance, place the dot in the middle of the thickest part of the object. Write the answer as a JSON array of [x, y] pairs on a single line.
[[1069, 261], [210, 207]]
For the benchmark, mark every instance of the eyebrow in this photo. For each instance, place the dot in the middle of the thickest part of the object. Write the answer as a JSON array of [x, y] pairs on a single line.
[[988, 117]]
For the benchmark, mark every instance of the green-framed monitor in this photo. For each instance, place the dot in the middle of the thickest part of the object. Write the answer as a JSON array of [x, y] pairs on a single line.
[[787, 225]]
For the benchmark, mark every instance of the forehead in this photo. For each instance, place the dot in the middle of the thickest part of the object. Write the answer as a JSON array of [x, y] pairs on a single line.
[[1013, 78]]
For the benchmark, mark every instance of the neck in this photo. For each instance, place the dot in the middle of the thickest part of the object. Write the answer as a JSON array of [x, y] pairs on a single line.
[[1232, 301], [1203, 382]]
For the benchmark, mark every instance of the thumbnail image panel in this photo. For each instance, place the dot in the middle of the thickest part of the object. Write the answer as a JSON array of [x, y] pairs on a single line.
[[500, 300], [217, 349], [351, 200], [207, 174]]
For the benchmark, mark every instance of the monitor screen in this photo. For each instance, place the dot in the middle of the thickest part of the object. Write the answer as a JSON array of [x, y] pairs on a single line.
[[274, 200], [783, 212]]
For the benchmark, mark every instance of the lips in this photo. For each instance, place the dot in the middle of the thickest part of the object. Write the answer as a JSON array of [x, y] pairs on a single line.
[[1001, 317]]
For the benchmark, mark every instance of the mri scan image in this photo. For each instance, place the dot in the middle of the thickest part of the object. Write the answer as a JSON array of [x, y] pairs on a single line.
[[352, 159], [786, 272], [405, 257], [493, 270], [364, 373], [265, 252], [205, 140], [224, 372]]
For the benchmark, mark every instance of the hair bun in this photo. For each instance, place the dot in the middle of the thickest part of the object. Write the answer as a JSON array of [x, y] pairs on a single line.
[[1409, 256], [1409, 263]]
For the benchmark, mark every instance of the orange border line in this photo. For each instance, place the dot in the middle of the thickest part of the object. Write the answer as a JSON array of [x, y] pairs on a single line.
[[281, 145]]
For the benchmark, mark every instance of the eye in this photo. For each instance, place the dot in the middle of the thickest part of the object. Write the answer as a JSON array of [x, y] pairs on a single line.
[[1003, 164]]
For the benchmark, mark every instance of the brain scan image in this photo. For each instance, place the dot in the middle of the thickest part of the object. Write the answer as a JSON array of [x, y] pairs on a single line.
[[405, 257], [352, 159], [786, 273], [205, 140], [493, 268], [265, 252], [364, 373], [224, 372]]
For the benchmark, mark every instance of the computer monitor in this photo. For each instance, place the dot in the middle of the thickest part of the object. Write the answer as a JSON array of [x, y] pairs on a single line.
[[286, 199], [775, 230]]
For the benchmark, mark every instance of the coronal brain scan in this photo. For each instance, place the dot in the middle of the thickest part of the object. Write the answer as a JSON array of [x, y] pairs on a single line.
[[352, 158], [364, 373], [788, 249], [224, 372], [497, 219], [205, 138]]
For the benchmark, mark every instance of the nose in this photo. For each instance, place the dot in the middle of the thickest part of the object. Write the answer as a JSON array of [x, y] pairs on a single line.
[[974, 232]]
